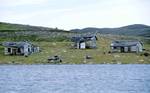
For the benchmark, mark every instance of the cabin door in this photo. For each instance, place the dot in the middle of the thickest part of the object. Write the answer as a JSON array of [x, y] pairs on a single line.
[[122, 49], [14, 51], [129, 49], [82, 45]]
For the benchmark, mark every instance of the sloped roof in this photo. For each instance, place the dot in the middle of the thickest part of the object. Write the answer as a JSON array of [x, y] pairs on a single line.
[[125, 43], [82, 38], [15, 44]]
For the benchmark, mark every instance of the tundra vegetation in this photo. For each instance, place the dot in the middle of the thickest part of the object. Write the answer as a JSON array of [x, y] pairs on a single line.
[[54, 42]]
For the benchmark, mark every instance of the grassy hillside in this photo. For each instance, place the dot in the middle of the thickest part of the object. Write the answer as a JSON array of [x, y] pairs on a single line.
[[77, 56], [132, 30], [18, 32], [9, 26]]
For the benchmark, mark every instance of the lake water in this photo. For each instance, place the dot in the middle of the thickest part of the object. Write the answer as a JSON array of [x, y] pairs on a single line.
[[75, 79]]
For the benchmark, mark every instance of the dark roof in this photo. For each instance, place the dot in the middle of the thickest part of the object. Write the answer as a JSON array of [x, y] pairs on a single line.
[[82, 38], [125, 43], [15, 44]]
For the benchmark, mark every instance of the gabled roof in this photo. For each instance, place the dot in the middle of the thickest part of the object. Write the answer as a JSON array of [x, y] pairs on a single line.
[[82, 38], [124, 43], [15, 44]]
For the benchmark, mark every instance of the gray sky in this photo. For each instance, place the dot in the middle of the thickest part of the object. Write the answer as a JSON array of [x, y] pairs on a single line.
[[70, 14]]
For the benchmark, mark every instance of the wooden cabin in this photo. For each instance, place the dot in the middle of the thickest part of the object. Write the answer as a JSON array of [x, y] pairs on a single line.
[[19, 48], [84, 42], [126, 46]]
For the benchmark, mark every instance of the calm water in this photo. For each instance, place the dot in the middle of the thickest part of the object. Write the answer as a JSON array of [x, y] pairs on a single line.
[[75, 79]]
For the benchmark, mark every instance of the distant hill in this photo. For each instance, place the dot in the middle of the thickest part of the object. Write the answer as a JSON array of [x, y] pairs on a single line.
[[132, 30], [19, 32], [19, 27]]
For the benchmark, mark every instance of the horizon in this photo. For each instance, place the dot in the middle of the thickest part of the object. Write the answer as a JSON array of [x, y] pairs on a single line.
[[75, 28], [75, 14]]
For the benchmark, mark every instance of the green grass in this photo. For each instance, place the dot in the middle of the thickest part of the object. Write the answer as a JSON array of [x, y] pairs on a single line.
[[77, 56], [34, 38]]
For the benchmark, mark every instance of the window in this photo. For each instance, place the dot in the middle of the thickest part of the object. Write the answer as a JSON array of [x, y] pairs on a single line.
[[19, 50], [9, 49], [29, 50], [115, 47]]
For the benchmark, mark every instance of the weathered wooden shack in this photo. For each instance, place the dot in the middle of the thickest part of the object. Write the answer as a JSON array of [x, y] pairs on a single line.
[[19, 48], [84, 42], [126, 46]]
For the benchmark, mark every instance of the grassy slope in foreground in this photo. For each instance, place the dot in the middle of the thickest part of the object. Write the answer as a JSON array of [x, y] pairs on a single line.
[[76, 56]]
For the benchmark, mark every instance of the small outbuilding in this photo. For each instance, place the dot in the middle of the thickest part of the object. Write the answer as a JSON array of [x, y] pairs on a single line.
[[84, 42], [54, 59], [19, 48], [126, 46]]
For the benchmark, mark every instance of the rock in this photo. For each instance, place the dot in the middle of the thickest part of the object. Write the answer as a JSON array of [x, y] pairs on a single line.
[[54, 59], [141, 60], [54, 44], [88, 57], [64, 51], [116, 56]]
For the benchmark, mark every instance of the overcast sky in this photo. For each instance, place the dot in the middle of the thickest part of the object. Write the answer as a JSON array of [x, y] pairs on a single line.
[[70, 14]]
